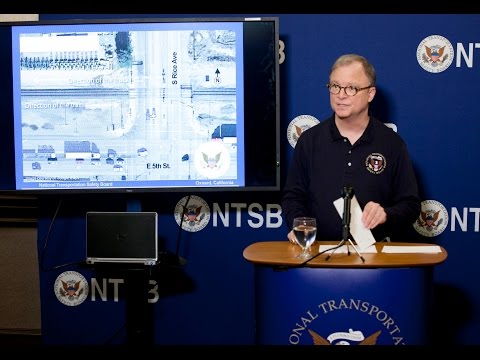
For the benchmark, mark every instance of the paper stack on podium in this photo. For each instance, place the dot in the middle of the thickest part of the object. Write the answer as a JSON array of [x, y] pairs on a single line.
[[424, 249]]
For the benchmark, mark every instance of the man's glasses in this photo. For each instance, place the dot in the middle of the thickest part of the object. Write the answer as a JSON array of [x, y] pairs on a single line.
[[349, 90]]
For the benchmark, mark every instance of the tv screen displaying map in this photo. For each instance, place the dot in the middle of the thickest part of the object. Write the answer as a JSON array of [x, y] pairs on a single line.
[[145, 105]]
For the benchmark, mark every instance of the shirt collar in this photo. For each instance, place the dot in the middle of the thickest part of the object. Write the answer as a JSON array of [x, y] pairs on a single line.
[[367, 136]]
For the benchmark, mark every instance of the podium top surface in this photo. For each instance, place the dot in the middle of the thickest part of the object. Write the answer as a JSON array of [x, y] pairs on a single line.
[[284, 253]]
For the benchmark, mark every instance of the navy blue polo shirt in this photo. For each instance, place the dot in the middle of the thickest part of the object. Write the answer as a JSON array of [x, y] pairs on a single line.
[[377, 166]]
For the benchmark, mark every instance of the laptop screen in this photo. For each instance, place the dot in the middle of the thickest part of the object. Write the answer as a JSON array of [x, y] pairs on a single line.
[[122, 237]]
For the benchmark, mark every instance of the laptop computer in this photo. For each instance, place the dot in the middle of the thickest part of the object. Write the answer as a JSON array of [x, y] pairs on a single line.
[[122, 237]]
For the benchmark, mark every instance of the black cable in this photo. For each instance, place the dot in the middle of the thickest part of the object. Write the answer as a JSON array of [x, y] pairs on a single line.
[[385, 239], [47, 237], [110, 340], [322, 252]]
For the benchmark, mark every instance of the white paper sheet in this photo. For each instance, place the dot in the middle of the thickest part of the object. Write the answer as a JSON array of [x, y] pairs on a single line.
[[343, 249], [427, 249], [363, 236]]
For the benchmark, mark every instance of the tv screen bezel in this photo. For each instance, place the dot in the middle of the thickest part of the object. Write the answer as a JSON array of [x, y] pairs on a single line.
[[252, 150]]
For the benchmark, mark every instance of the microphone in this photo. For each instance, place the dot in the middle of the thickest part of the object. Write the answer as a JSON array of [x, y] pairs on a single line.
[[347, 194]]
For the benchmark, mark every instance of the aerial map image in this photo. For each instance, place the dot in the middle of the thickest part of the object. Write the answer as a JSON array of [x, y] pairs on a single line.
[[130, 108]]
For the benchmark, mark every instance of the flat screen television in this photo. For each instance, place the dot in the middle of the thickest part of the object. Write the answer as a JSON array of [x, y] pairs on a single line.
[[140, 105]]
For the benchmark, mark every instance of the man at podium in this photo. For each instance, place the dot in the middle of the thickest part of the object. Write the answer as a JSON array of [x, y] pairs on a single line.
[[352, 148]]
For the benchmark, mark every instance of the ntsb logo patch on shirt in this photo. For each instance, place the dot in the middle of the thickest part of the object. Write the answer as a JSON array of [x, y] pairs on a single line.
[[376, 163]]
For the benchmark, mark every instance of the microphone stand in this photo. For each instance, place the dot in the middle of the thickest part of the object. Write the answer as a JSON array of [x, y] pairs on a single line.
[[347, 193]]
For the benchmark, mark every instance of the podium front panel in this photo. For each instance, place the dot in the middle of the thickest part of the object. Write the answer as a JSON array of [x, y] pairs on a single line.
[[332, 306]]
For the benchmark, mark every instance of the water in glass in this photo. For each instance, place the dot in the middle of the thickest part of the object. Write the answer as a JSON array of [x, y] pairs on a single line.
[[305, 231]]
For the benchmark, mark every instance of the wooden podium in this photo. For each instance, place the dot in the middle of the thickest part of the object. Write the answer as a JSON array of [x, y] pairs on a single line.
[[385, 300]]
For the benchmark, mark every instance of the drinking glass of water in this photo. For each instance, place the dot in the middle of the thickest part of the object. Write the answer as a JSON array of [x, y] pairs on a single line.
[[305, 231]]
